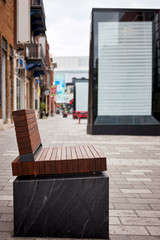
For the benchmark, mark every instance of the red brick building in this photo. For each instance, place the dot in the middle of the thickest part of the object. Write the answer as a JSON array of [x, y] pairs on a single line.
[[6, 62]]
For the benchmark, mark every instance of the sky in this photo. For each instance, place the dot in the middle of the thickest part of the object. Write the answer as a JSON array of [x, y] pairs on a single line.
[[68, 22]]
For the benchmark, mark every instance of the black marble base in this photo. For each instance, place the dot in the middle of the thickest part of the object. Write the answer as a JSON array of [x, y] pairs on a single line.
[[64, 206]]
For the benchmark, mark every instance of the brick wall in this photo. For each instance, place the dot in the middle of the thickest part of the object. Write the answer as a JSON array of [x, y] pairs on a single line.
[[7, 31]]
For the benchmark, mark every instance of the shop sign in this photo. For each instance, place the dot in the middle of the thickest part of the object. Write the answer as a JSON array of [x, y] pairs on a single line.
[[53, 90]]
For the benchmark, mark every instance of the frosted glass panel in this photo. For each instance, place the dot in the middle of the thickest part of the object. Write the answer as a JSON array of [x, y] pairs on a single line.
[[82, 96], [124, 68]]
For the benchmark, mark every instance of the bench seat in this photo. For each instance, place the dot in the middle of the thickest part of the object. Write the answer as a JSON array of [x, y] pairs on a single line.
[[61, 160], [35, 160]]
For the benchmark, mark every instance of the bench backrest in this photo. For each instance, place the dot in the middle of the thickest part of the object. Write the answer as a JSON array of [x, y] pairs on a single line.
[[27, 133]]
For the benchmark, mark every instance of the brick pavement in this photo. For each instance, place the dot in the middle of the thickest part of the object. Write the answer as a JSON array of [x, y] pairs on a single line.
[[133, 167]]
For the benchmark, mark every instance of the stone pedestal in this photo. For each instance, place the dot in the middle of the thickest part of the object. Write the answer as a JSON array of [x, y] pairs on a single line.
[[63, 206]]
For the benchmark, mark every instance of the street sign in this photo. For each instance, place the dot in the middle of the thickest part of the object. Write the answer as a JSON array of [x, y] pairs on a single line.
[[46, 92]]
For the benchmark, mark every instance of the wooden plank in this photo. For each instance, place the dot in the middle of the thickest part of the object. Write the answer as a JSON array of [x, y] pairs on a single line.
[[25, 122], [25, 168], [97, 158], [69, 160], [23, 117], [31, 168], [63, 160], [53, 161], [74, 160], [27, 132], [103, 159], [92, 161], [19, 168], [14, 167], [41, 161], [80, 159], [86, 160], [47, 163], [26, 128], [58, 161], [23, 112], [36, 162], [22, 139]]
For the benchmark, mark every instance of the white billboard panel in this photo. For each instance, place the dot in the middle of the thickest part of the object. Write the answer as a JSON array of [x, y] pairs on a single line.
[[125, 68], [23, 22], [82, 96]]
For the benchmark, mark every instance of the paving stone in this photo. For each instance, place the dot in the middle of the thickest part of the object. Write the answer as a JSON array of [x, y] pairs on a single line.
[[154, 206], [6, 188], [6, 210], [119, 213], [139, 179], [124, 195], [6, 193], [146, 195], [3, 203], [114, 221], [154, 230], [141, 213], [119, 237], [6, 197], [136, 191], [132, 206], [128, 230], [143, 238], [141, 170], [132, 173], [6, 226], [10, 204], [139, 221], [118, 200], [6, 218], [143, 200], [6, 236]]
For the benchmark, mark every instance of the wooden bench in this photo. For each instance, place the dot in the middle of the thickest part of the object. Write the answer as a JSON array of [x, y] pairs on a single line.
[[35, 160]]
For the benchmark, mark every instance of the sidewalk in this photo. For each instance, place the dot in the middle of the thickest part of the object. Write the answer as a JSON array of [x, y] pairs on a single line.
[[133, 167]]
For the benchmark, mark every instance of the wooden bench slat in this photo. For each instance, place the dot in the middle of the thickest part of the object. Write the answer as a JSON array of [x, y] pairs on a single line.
[[25, 122], [23, 117], [63, 160], [69, 160], [26, 128], [49, 153], [36, 162], [80, 159], [58, 161], [53, 161], [86, 160], [23, 112], [14, 167], [47, 167], [74, 160], [97, 159], [92, 161], [27, 133], [103, 159]]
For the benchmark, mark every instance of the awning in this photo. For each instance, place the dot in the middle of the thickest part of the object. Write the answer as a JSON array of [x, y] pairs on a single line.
[[38, 73]]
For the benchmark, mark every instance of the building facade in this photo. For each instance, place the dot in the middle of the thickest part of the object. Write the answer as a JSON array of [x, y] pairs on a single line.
[[6, 62], [26, 69], [67, 69]]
